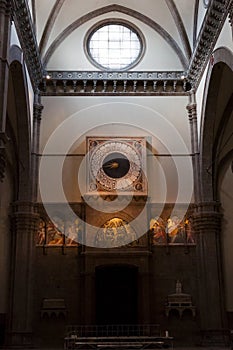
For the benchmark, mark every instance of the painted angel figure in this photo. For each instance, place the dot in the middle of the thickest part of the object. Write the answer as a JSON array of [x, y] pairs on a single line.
[[158, 232]]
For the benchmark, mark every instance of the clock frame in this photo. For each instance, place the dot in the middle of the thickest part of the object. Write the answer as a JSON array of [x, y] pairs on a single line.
[[116, 165]]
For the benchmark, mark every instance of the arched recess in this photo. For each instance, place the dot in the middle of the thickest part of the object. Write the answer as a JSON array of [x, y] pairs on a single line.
[[19, 119], [216, 158], [217, 107], [16, 183], [116, 294], [225, 185]]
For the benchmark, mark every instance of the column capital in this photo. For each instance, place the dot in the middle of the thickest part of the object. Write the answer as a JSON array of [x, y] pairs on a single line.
[[25, 216], [207, 217], [37, 111], [192, 111]]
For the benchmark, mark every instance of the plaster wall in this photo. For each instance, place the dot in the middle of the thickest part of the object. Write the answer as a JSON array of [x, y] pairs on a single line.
[[70, 54], [163, 120]]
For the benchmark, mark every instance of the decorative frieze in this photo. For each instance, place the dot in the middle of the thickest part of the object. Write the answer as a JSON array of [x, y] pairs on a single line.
[[114, 83], [25, 31], [111, 75], [209, 32], [5, 7]]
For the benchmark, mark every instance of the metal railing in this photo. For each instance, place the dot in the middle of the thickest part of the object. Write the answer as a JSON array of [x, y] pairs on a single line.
[[115, 330]]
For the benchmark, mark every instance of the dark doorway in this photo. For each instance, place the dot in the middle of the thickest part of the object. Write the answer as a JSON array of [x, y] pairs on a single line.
[[116, 294]]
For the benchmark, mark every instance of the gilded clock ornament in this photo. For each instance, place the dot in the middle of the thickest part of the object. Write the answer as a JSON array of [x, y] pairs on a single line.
[[116, 165]]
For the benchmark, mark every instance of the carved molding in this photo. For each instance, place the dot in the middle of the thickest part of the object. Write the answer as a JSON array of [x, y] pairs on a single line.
[[25, 31], [207, 217], [70, 83], [37, 111], [209, 32], [111, 75], [114, 83], [25, 217], [5, 7], [231, 13]]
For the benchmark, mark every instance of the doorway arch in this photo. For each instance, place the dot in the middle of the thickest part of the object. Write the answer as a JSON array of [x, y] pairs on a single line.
[[116, 294]]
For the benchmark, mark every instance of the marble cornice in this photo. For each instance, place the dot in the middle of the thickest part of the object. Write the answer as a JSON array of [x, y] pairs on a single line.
[[231, 13], [26, 34], [209, 32], [118, 83], [114, 83]]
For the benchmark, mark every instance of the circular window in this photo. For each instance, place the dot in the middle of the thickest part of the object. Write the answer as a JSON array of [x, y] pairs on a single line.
[[114, 45]]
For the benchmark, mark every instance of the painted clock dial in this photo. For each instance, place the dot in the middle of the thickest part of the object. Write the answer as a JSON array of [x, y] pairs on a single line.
[[115, 165]]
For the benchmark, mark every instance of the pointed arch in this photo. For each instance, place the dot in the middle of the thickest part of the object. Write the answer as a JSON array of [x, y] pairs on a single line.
[[180, 26], [49, 25], [22, 118], [210, 129], [195, 19]]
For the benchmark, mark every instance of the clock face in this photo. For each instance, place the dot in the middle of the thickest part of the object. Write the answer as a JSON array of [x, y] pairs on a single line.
[[116, 165]]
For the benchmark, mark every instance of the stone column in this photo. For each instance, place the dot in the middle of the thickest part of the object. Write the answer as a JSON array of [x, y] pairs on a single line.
[[4, 72], [192, 114], [5, 27], [207, 225], [37, 112], [24, 223]]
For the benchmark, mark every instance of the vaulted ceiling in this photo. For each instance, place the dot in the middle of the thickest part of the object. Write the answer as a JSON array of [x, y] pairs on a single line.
[[177, 21], [189, 28]]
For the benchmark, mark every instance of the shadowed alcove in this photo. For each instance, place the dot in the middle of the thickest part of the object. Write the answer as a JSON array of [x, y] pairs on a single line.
[[116, 294]]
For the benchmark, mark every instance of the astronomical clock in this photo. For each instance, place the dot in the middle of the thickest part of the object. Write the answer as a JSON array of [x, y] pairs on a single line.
[[116, 165]]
